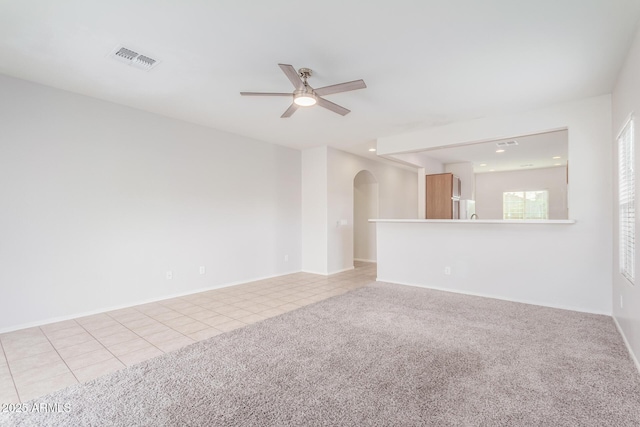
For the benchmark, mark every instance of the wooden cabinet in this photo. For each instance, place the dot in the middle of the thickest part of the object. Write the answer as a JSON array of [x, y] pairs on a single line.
[[443, 196]]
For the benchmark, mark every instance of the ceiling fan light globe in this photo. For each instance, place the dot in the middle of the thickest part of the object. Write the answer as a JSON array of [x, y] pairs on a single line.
[[304, 100]]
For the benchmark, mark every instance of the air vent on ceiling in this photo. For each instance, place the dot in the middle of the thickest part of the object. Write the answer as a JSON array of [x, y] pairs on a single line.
[[506, 143], [133, 58]]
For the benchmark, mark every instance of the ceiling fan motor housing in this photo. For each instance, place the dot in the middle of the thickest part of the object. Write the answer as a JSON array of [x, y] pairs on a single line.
[[305, 73]]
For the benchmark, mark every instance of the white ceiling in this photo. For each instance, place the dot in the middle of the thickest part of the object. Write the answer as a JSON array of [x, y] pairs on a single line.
[[425, 62], [531, 152]]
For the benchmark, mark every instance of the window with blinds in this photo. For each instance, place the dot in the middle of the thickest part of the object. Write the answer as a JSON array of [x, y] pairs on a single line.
[[525, 204], [627, 201]]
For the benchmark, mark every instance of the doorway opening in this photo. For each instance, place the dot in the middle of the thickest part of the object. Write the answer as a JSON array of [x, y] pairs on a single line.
[[365, 207]]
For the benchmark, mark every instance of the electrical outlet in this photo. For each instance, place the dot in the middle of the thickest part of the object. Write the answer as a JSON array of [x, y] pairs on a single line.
[[202, 269], [447, 271], [169, 275], [286, 258]]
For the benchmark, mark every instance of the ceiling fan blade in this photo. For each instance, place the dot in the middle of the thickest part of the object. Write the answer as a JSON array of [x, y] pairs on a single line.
[[341, 87], [292, 75], [264, 94], [333, 107], [292, 109]]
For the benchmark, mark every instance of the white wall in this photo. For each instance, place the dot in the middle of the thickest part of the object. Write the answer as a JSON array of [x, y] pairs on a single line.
[[98, 201], [422, 160], [432, 165], [397, 199], [517, 262], [426, 166], [464, 171], [490, 186], [365, 207], [314, 210], [582, 274], [626, 100]]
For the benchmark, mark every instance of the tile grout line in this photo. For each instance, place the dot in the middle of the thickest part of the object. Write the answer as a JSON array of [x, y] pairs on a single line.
[[159, 321], [140, 336], [106, 348], [167, 325], [213, 310], [59, 355], [98, 341], [195, 320], [15, 387]]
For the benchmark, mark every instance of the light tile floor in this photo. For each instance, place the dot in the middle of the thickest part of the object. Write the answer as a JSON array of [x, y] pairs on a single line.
[[40, 360]]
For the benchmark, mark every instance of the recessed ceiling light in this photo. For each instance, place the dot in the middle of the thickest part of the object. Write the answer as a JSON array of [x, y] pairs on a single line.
[[492, 170], [556, 157], [372, 149], [557, 164], [499, 151], [483, 164]]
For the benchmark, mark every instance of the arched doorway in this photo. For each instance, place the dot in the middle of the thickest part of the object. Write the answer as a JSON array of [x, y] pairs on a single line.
[[365, 207]]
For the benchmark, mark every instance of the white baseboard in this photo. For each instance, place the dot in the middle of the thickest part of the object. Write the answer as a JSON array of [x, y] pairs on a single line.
[[315, 272], [133, 304], [626, 342], [365, 260], [499, 297], [329, 273], [341, 271]]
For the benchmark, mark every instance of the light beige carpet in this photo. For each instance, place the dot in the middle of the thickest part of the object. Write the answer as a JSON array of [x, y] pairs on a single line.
[[381, 355]]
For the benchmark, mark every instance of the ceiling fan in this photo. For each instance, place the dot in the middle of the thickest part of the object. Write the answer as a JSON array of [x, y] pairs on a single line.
[[306, 96]]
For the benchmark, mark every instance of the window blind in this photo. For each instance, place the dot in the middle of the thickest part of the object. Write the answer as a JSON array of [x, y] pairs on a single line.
[[627, 201]]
